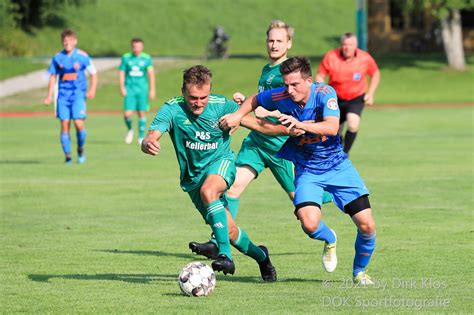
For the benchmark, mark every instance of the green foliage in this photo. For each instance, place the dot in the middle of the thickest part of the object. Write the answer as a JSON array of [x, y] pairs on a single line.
[[110, 236], [441, 8]]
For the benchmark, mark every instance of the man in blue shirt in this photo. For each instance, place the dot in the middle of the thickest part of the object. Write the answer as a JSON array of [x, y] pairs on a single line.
[[320, 162], [69, 65]]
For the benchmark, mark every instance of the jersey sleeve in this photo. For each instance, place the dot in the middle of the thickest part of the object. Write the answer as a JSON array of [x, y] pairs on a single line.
[[123, 64], [149, 63], [264, 99], [230, 107], [371, 66], [53, 67], [331, 107], [163, 121], [90, 65], [323, 67]]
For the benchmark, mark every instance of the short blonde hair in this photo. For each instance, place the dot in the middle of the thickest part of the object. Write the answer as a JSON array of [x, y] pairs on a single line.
[[290, 31]]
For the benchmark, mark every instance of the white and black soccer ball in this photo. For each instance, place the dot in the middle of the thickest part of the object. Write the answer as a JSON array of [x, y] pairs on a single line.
[[197, 279]]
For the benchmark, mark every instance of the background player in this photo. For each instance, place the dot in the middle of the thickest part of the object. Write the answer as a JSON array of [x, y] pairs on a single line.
[[319, 160], [206, 163], [258, 151], [137, 84], [70, 65], [347, 68]]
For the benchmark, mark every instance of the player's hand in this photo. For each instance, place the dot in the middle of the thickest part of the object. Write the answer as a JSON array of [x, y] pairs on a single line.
[[152, 94], [47, 100], [296, 132], [239, 98], [230, 122], [369, 99], [151, 147], [123, 91], [289, 121], [91, 94]]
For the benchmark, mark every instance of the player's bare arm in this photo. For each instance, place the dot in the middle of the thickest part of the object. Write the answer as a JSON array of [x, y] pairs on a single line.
[[150, 144], [261, 112], [268, 127], [93, 87], [328, 127], [232, 121], [151, 79], [51, 84], [374, 83], [123, 90]]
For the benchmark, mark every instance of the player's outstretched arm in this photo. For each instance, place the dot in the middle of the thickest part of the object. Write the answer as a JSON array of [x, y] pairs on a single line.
[[269, 128], [232, 121], [328, 127], [151, 81], [51, 84], [150, 144], [374, 83]]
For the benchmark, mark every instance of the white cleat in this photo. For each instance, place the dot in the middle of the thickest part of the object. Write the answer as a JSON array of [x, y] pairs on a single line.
[[362, 279], [329, 255], [129, 137]]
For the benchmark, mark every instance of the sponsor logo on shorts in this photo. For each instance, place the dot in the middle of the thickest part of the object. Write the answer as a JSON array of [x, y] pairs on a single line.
[[332, 104]]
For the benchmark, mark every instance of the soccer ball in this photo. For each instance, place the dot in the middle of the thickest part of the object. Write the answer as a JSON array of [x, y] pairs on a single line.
[[197, 279]]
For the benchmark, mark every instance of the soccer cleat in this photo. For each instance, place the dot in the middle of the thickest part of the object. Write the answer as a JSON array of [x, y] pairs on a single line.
[[329, 255], [208, 249], [224, 264], [129, 137], [362, 279], [68, 161], [267, 270], [81, 159]]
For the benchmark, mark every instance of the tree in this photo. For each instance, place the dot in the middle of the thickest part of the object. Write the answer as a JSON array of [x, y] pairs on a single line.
[[449, 14]]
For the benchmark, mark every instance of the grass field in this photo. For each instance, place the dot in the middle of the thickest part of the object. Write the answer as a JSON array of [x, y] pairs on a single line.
[[10, 67], [105, 27], [405, 80], [110, 236]]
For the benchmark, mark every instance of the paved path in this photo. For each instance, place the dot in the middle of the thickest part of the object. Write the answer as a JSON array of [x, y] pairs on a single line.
[[39, 79]]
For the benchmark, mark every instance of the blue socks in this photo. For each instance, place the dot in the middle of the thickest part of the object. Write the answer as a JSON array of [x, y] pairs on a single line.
[[364, 247], [323, 233], [81, 139], [66, 143]]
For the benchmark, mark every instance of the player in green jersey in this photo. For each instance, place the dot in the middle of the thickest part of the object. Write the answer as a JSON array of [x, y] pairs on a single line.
[[258, 150], [206, 162], [137, 84]]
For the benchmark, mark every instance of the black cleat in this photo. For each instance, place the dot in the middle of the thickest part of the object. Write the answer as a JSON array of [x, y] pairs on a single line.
[[224, 264], [267, 270], [208, 249]]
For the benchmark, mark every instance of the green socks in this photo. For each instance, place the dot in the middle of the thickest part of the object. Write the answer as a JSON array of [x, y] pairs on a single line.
[[128, 122], [245, 245], [141, 127], [217, 219]]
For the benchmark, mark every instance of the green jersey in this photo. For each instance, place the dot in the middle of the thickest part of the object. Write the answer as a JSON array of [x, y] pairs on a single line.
[[269, 79], [136, 71], [198, 141]]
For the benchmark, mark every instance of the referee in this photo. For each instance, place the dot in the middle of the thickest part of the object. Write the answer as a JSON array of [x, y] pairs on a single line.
[[347, 68]]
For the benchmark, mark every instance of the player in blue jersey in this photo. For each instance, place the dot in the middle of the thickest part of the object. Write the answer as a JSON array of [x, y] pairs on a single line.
[[69, 65], [319, 160]]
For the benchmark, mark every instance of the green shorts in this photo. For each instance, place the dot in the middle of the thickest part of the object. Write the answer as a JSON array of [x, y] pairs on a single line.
[[136, 101], [224, 168], [259, 159]]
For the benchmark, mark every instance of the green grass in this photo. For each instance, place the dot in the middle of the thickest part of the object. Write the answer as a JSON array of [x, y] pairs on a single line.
[[10, 67], [184, 27], [110, 236], [405, 80]]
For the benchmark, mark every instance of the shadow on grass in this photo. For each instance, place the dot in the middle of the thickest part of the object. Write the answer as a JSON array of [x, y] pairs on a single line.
[[148, 253], [147, 278]]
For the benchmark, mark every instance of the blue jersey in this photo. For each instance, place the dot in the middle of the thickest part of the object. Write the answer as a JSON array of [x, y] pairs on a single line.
[[309, 153], [71, 70]]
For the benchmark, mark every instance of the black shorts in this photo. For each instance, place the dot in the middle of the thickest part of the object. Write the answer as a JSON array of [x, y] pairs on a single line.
[[355, 105]]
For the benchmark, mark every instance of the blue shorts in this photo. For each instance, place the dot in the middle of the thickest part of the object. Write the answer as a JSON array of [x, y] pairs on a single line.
[[343, 182], [71, 105]]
